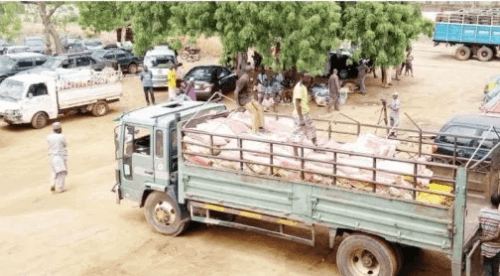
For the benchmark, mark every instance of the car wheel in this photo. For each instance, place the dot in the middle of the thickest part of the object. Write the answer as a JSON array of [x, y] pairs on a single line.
[[484, 54], [39, 120], [343, 74], [132, 68]]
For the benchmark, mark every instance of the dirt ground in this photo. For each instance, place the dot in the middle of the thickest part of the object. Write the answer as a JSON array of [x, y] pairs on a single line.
[[84, 232]]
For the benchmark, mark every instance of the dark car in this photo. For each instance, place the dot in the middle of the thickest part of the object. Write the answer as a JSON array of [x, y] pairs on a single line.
[[210, 79], [36, 44], [14, 63], [124, 59], [93, 44], [469, 130], [339, 59], [71, 61]]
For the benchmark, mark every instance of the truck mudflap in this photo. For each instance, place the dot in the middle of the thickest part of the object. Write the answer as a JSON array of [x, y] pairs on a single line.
[[473, 266], [116, 190]]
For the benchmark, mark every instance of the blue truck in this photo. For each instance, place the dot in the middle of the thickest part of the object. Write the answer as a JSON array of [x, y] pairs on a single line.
[[159, 168], [478, 33]]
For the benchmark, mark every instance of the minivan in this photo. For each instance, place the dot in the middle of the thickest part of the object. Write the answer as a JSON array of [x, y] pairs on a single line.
[[12, 64]]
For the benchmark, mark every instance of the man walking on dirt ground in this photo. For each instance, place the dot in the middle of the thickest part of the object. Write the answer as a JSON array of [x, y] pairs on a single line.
[[395, 107], [147, 83], [245, 100], [172, 82], [361, 78], [303, 124], [58, 155], [489, 220], [334, 89]]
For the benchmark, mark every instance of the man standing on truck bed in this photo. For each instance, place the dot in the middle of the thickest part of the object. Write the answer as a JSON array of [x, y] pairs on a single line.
[[245, 100], [58, 155], [302, 120], [489, 219], [147, 83]]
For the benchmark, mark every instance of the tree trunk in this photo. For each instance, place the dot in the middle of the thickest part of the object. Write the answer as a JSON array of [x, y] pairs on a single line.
[[123, 37], [386, 77], [49, 29]]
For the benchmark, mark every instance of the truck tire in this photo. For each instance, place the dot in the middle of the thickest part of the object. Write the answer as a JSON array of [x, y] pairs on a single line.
[[40, 120], [132, 68], [100, 108], [164, 214], [484, 53], [360, 255], [463, 53]]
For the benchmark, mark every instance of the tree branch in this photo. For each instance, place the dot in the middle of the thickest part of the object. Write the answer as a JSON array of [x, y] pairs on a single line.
[[54, 9]]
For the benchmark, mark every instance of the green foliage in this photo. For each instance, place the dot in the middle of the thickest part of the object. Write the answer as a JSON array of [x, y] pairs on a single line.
[[10, 23], [103, 15], [384, 29]]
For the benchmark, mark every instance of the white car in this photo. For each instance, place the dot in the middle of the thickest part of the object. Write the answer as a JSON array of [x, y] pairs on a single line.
[[159, 61]]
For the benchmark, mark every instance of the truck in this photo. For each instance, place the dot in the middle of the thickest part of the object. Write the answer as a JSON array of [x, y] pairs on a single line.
[[37, 98], [155, 168], [477, 32]]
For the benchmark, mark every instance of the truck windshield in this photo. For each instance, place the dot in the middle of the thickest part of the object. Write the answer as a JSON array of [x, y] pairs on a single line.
[[11, 90], [6, 63]]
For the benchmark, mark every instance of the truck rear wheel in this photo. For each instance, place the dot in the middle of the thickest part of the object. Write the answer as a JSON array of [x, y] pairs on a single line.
[[40, 120], [484, 54], [164, 214], [463, 53], [363, 255], [100, 108]]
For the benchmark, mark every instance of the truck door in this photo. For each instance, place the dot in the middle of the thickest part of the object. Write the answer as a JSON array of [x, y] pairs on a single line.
[[160, 164], [38, 99], [137, 161]]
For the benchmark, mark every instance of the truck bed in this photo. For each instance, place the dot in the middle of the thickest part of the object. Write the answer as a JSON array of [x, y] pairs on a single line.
[[81, 96]]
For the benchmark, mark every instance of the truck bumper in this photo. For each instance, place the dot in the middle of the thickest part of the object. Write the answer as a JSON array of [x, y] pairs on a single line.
[[12, 119]]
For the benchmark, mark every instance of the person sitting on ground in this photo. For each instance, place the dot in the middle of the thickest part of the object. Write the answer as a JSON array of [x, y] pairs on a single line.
[[267, 102]]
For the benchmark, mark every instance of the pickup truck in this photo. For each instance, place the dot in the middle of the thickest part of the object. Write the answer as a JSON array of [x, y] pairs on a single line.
[[38, 98], [153, 168]]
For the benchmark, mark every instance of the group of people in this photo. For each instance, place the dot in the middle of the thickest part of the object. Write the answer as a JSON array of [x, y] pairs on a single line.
[[174, 75]]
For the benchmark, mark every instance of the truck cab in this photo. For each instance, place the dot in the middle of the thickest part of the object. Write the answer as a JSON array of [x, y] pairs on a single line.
[[146, 148]]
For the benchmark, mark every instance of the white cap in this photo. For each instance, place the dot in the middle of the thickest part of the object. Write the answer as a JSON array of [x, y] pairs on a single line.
[[56, 126], [395, 94]]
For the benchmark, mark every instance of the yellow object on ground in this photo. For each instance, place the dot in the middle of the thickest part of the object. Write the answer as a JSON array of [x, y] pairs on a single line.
[[436, 199]]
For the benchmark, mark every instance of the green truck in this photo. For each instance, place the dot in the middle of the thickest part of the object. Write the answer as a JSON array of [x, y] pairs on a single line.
[[370, 229]]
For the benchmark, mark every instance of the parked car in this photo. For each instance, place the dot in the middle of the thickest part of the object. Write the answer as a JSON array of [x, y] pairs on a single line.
[[210, 79], [126, 60], [474, 126], [75, 48], [71, 61], [12, 64], [16, 50], [339, 59], [4, 43], [93, 44], [158, 61], [69, 40], [36, 44]]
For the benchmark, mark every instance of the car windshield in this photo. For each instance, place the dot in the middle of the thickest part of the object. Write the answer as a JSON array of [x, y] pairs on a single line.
[[93, 43], [52, 63], [33, 42], [99, 54], [204, 74], [6, 63], [11, 90], [159, 61]]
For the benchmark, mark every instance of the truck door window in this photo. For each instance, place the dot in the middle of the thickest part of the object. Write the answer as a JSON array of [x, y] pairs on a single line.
[[39, 61], [38, 90], [159, 144], [25, 63], [128, 149], [173, 148]]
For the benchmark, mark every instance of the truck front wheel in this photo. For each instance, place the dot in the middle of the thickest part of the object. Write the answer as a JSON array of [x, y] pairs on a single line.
[[484, 54], [362, 255], [100, 109], [164, 214], [463, 53], [40, 120]]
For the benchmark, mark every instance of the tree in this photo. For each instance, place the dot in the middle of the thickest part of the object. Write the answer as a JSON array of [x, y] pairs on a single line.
[[305, 30], [47, 10], [105, 15], [384, 30], [10, 23]]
